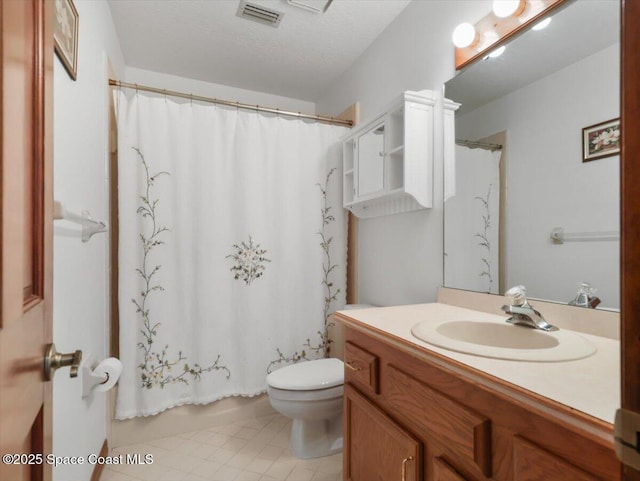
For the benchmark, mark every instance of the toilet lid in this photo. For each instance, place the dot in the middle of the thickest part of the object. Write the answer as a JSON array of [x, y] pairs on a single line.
[[304, 376]]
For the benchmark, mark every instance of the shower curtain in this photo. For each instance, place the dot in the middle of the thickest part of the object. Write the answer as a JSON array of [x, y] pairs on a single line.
[[471, 234], [232, 248]]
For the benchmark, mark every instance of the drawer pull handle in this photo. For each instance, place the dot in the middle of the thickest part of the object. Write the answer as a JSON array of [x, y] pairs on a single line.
[[404, 467], [353, 368]]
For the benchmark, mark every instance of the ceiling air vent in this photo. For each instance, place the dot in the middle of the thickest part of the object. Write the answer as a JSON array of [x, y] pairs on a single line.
[[258, 13], [315, 6]]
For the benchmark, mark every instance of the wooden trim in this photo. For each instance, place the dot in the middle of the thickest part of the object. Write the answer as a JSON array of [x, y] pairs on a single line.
[[114, 231], [37, 441], [630, 211], [503, 29], [38, 156], [533, 462], [352, 113], [2, 161], [47, 232], [442, 471], [99, 467], [352, 259]]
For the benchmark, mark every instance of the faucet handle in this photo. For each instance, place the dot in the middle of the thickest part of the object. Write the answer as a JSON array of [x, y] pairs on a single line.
[[517, 295], [585, 296]]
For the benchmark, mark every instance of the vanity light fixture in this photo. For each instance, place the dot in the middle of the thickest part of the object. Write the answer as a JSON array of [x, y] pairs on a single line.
[[497, 52], [508, 18], [544, 24], [465, 35], [508, 8]]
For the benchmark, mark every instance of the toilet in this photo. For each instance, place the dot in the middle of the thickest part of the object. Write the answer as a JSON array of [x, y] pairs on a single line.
[[310, 393]]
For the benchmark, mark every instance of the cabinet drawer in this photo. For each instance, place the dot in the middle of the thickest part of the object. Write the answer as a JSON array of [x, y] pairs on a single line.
[[531, 463], [361, 367], [462, 430]]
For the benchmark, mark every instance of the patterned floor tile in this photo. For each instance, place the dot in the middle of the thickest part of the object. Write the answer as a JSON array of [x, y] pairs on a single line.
[[255, 449]]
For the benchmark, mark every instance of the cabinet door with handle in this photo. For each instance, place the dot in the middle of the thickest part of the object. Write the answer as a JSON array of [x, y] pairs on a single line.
[[371, 161], [376, 448]]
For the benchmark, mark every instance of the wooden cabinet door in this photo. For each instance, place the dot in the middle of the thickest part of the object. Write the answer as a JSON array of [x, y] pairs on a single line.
[[376, 448], [443, 472], [531, 463], [26, 223]]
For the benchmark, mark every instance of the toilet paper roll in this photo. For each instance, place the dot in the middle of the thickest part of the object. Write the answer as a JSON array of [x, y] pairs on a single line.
[[111, 368]]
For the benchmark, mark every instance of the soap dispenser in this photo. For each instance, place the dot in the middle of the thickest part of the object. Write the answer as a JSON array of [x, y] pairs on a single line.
[[585, 296]]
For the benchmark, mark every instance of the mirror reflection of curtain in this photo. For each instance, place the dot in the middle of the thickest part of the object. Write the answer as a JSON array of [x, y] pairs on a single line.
[[471, 235]]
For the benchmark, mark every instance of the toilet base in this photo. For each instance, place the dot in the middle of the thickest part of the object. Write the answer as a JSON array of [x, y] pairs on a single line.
[[316, 438]]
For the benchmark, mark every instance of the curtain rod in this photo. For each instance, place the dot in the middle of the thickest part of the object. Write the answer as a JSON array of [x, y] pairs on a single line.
[[239, 105], [482, 145]]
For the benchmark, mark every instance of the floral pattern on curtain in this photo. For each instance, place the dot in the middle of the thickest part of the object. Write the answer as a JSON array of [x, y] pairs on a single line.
[[472, 220], [232, 249]]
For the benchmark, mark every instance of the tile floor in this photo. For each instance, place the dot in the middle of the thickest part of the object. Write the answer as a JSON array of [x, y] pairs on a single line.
[[249, 450]]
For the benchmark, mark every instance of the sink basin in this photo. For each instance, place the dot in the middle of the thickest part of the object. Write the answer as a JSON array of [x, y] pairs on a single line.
[[501, 340]]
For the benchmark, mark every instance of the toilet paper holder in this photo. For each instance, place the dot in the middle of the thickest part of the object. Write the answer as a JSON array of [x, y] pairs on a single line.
[[91, 379]]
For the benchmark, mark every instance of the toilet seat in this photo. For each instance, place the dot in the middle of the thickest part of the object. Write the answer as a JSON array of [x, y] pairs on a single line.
[[311, 395], [307, 395], [314, 375]]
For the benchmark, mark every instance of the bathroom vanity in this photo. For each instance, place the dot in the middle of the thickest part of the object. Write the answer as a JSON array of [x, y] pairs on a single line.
[[414, 411]]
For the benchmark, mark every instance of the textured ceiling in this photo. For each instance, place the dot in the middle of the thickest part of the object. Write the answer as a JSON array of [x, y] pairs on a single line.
[[205, 40]]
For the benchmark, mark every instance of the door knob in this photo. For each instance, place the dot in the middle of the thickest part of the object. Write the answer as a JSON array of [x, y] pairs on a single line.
[[54, 360]]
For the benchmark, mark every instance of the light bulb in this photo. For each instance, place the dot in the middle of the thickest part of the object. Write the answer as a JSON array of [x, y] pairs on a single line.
[[464, 35], [544, 24], [497, 52], [506, 8]]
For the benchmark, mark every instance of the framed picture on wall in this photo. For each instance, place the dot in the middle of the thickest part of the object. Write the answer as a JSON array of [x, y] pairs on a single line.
[[601, 140], [65, 35]]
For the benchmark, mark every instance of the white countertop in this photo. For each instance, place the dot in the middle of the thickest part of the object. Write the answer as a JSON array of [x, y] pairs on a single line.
[[590, 385]]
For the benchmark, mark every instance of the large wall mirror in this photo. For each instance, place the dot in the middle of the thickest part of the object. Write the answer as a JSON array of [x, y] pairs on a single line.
[[502, 204]]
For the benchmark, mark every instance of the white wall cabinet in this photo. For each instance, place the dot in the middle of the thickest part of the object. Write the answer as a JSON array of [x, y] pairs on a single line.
[[388, 162]]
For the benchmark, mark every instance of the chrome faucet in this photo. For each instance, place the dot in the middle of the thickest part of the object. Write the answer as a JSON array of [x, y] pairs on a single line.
[[585, 296], [523, 313]]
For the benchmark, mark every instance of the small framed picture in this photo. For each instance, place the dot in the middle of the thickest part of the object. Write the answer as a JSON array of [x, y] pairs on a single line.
[[601, 140], [65, 35]]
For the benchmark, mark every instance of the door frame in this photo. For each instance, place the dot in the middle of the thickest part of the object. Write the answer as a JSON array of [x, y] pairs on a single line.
[[630, 211]]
